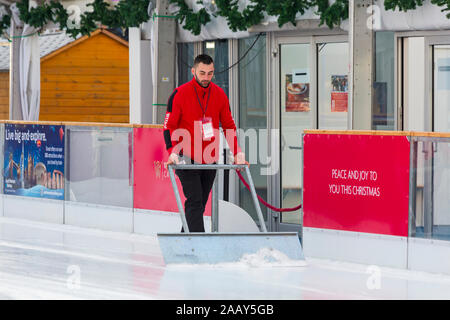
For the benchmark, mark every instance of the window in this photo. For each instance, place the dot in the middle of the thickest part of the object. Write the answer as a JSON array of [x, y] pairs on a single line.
[[218, 50], [185, 60], [383, 115]]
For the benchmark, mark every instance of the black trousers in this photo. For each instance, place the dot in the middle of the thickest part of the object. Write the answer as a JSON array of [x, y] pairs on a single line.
[[197, 185]]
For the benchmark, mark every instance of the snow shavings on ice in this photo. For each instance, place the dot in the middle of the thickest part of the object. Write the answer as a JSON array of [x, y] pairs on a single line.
[[263, 258]]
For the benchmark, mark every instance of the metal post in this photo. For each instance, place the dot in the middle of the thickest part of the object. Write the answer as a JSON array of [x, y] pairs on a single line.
[[215, 192], [165, 43], [215, 206], [15, 105], [428, 189], [140, 75], [255, 200], [412, 186], [226, 177], [361, 38], [67, 146], [178, 199]]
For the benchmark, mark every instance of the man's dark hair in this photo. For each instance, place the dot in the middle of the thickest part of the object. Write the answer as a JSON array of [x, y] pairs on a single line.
[[203, 58]]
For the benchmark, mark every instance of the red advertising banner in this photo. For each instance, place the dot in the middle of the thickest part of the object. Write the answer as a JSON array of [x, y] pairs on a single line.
[[356, 183], [152, 185]]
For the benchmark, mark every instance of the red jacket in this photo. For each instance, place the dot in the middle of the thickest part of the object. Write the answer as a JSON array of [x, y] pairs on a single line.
[[186, 108]]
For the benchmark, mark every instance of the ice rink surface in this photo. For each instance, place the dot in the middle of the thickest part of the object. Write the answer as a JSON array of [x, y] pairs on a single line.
[[50, 261]]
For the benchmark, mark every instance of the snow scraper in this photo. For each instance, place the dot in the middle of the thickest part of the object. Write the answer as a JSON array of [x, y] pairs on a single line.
[[222, 247]]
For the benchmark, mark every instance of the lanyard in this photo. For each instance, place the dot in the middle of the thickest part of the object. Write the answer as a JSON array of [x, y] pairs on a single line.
[[199, 102]]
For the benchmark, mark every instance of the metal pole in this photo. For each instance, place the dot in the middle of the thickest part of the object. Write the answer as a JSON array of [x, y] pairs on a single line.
[[165, 28], [15, 105], [362, 52], [255, 200], [428, 190], [412, 185], [215, 206], [178, 199], [226, 177]]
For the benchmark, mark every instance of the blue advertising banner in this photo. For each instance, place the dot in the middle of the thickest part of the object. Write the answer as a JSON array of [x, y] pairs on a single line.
[[34, 160]]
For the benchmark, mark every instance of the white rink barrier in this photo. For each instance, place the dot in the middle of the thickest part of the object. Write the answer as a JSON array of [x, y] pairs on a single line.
[[377, 197], [114, 179]]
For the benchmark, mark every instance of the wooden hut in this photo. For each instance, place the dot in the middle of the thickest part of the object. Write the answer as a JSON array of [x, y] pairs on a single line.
[[84, 80], [4, 94]]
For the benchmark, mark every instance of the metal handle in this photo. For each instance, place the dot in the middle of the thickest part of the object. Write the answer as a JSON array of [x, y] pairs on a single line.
[[178, 199], [215, 196], [255, 200]]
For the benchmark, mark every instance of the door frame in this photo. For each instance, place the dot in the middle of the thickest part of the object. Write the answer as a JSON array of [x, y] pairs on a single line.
[[274, 40], [430, 41], [429, 197], [430, 38]]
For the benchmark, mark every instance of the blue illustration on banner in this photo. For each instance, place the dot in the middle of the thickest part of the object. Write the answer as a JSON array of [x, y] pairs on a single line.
[[34, 161]]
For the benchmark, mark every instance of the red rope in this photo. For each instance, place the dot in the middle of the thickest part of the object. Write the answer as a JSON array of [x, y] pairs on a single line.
[[264, 202]]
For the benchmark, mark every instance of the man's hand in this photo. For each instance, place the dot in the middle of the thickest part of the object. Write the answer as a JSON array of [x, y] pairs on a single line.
[[173, 159], [240, 159]]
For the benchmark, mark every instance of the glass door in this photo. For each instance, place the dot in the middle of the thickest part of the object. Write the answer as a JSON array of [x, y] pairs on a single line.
[[311, 89], [433, 214], [253, 117], [296, 114], [439, 215]]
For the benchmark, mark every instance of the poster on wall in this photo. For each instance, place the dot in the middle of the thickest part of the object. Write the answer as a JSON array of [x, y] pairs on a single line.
[[34, 161], [297, 94], [339, 93]]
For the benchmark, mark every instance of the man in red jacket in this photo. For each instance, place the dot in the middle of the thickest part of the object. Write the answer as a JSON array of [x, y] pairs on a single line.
[[191, 133]]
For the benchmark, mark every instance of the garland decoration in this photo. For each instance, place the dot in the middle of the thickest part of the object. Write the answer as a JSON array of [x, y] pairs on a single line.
[[194, 21], [237, 21], [131, 13], [285, 10], [332, 15], [254, 13], [403, 5], [443, 3], [127, 13]]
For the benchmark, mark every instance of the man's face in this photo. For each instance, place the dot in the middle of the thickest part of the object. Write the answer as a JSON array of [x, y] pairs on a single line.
[[203, 73]]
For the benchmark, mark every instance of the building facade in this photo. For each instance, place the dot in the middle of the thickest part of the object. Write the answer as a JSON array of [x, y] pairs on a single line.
[[281, 81]]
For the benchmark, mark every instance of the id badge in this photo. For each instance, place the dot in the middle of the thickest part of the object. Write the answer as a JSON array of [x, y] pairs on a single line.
[[207, 128]]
